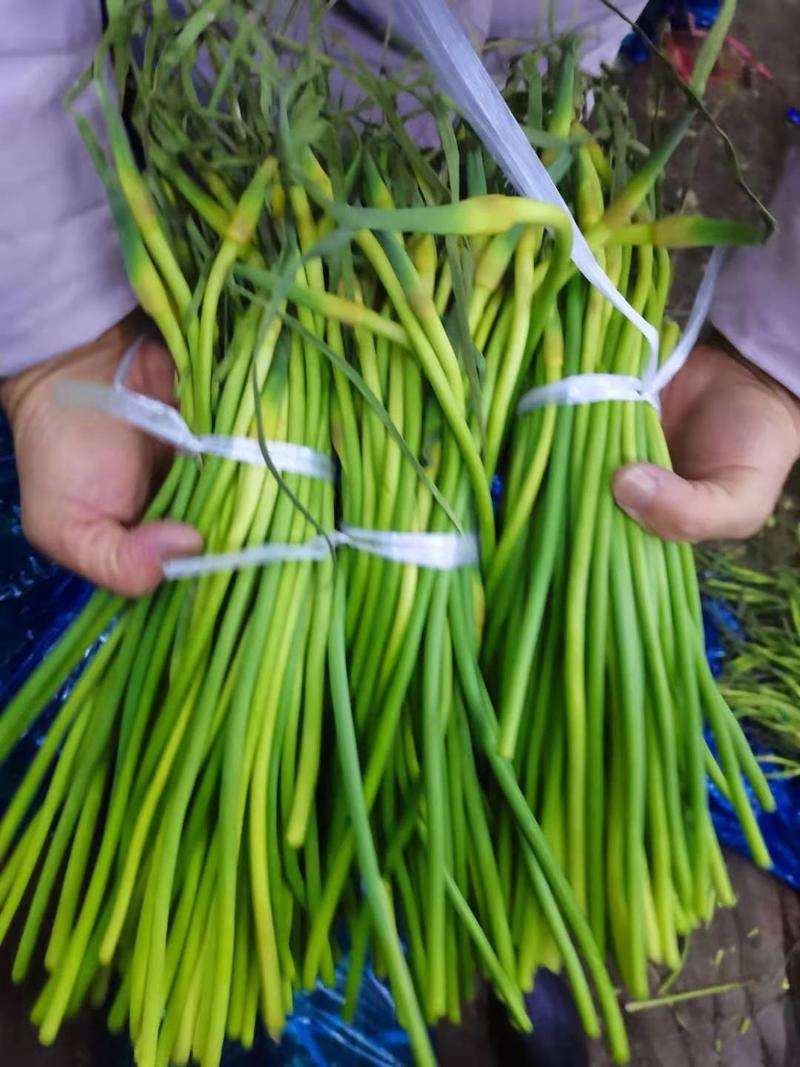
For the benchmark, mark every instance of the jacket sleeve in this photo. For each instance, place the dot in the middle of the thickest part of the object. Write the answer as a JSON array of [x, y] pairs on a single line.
[[62, 280], [601, 30], [757, 302]]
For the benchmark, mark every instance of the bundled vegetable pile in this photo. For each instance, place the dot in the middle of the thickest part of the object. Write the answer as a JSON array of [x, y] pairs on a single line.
[[520, 768]]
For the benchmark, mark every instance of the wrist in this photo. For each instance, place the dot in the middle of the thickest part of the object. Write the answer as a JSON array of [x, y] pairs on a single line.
[[784, 398], [95, 361]]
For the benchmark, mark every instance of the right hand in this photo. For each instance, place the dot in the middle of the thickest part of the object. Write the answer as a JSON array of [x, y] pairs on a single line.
[[733, 434]]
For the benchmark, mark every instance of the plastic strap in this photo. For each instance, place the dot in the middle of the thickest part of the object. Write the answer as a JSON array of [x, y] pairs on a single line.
[[591, 388], [163, 422], [434, 551], [662, 376], [436, 32], [583, 389], [256, 556], [437, 551]]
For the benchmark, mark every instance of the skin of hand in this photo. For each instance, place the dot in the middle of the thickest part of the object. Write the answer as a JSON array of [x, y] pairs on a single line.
[[733, 435], [86, 478]]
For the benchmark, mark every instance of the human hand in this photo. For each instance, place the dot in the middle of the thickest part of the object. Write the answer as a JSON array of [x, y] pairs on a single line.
[[733, 434], [85, 478]]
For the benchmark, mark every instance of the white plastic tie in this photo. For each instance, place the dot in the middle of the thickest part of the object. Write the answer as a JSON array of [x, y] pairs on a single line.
[[255, 556], [165, 423], [433, 551], [436, 551], [662, 376], [437, 34], [583, 389], [591, 388]]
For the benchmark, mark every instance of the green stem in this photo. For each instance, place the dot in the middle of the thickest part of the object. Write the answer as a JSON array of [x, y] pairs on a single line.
[[382, 920]]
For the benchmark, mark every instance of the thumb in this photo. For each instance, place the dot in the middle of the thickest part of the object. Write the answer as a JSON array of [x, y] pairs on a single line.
[[733, 504], [129, 562]]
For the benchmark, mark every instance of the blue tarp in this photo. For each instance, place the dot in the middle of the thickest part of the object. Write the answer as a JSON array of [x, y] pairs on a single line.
[[781, 828], [679, 13]]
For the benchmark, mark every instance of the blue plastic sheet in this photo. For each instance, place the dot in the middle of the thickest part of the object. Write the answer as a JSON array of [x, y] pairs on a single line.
[[679, 13], [781, 828], [315, 1035]]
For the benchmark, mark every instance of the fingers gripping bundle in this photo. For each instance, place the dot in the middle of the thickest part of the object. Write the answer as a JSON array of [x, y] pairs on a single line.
[[516, 769]]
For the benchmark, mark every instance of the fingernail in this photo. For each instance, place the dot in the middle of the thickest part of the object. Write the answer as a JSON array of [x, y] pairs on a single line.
[[182, 546], [635, 488], [178, 541]]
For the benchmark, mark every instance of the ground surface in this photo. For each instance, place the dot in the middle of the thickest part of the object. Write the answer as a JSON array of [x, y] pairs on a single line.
[[755, 948], [701, 179]]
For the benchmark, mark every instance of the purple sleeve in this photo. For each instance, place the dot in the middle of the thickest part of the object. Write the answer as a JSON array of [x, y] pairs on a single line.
[[600, 29], [757, 302], [62, 280]]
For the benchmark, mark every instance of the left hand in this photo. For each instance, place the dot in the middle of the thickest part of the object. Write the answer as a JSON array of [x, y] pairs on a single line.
[[733, 434], [86, 478]]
